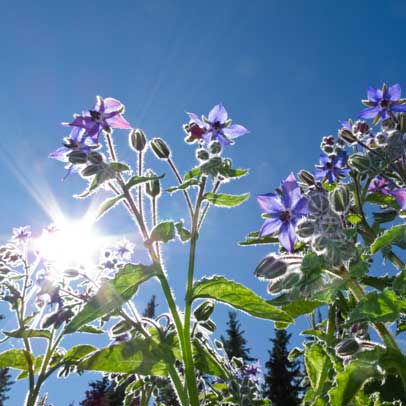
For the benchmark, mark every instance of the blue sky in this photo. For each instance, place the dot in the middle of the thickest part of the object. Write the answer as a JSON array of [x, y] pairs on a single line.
[[288, 71]]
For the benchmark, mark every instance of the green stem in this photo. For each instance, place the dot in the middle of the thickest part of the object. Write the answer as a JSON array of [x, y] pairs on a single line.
[[177, 383], [331, 325]]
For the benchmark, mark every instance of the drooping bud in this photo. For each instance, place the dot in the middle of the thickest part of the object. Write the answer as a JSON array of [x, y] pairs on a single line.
[[359, 163], [90, 170], [305, 229], [215, 147], [71, 273], [348, 347], [360, 127], [318, 203], [212, 166], [209, 325], [271, 267], [160, 149], [402, 122], [204, 311], [95, 158], [347, 136], [306, 177], [388, 124], [340, 199], [291, 279], [152, 187], [381, 139], [137, 140], [202, 154], [276, 286], [77, 157]]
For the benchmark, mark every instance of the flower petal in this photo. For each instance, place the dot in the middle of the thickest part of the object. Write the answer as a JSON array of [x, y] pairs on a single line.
[[399, 107], [373, 94], [218, 113], [290, 191], [287, 236], [370, 112], [300, 208], [270, 226], [270, 203], [196, 119], [394, 92], [234, 131], [60, 154], [111, 105], [400, 196], [118, 121]]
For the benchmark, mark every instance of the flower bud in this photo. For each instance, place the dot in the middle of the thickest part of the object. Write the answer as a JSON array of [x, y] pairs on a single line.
[[90, 170], [347, 136], [215, 147], [388, 124], [291, 279], [318, 203], [360, 127], [305, 229], [212, 166], [381, 139], [306, 177], [359, 163], [347, 348], [271, 267], [137, 140], [77, 157], [402, 122], [319, 244], [152, 187], [276, 286], [340, 199], [160, 149], [209, 325], [95, 158], [204, 311], [202, 154]]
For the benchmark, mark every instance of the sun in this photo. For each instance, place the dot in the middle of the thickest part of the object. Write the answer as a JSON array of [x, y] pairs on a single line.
[[70, 244]]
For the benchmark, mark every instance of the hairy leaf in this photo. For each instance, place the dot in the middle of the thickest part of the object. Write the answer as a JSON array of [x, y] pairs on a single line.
[[15, 358], [163, 232], [137, 180], [238, 296], [184, 185], [318, 365], [108, 204], [225, 200], [113, 294], [394, 236]]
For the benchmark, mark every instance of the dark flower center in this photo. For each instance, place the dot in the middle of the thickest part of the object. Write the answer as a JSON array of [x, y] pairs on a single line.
[[285, 215], [217, 125], [384, 103], [96, 115], [329, 165]]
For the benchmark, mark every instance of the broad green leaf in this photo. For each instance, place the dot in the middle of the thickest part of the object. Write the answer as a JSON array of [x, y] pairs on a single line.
[[295, 353], [107, 205], [28, 333], [138, 356], [137, 180], [207, 363], [394, 236], [378, 307], [15, 358], [90, 329], [254, 239], [37, 367], [119, 167], [163, 232], [318, 366], [184, 185], [350, 381], [183, 233], [238, 296], [225, 200], [233, 173], [353, 219], [113, 294], [301, 306], [385, 216], [193, 173], [75, 354], [382, 200]]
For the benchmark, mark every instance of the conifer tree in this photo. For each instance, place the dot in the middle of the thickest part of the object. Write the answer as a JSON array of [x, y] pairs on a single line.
[[150, 310], [281, 381], [235, 344], [5, 383]]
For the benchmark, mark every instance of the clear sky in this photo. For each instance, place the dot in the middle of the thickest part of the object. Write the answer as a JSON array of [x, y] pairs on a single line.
[[288, 71]]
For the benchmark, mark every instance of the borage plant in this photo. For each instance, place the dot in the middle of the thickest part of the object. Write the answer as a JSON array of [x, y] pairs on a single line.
[[333, 226], [144, 351]]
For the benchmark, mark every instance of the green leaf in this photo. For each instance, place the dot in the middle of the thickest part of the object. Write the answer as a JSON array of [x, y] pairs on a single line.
[[238, 296], [207, 363], [318, 366], [377, 307], [254, 239], [233, 173], [385, 216], [137, 180], [163, 232], [184, 185], [15, 358], [113, 294], [90, 329], [395, 235], [295, 353], [301, 306], [193, 173], [107, 205], [119, 167], [28, 333], [350, 381], [183, 233], [382, 200], [224, 200], [138, 356], [76, 353], [353, 219]]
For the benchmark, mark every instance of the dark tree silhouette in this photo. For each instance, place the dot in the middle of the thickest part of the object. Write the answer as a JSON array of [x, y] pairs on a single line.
[[234, 343], [5, 383], [150, 310], [281, 381]]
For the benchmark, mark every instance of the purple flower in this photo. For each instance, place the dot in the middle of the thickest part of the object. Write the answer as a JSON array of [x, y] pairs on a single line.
[[21, 234], [381, 185], [381, 102], [106, 114], [400, 196], [331, 167], [124, 249], [217, 126], [285, 211], [77, 140]]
